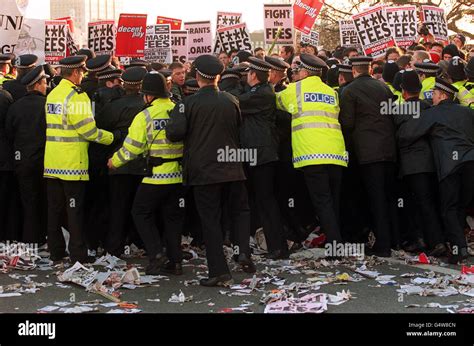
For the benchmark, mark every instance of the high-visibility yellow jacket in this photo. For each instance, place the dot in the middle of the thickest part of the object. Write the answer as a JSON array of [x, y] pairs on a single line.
[[427, 86], [465, 96], [70, 125], [316, 135], [7, 77], [395, 92], [147, 133]]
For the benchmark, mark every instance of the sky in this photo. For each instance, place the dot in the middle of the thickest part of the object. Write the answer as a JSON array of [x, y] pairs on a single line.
[[188, 10]]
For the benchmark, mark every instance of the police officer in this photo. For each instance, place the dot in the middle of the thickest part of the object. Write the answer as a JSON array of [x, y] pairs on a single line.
[[8, 190], [110, 87], [26, 127], [24, 64], [291, 188], [138, 63], [469, 85], [344, 76], [70, 125], [372, 137], [390, 69], [258, 134], [191, 87], [89, 53], [230, 81], [162, 190], [208, 122], [90, 83], [6, 67], [427, 71], [277, 73], [124, 181], [317, 141], [457, 74], [450, 127], [416, 163]]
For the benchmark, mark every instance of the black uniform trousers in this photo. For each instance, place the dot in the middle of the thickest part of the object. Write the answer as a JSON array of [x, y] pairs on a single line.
[[69, 196], [456, 192], [169, 201], [262, 179], [324, 185], [122, 189], [97, 212], [379, 181], [10, 207], [210, 200], [33, 199], [423, 187]]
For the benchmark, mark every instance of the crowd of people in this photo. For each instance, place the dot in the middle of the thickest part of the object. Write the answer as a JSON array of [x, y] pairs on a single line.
[[362, 150]]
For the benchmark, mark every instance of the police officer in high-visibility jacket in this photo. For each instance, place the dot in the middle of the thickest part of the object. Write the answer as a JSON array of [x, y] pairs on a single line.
[[427, 71], [162, 190], [457, 73], [70, 125], [6, 67], [469, 85], [317, 141]]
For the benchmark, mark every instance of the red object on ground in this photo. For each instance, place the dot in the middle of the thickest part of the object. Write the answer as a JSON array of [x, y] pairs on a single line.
[[423, 259]]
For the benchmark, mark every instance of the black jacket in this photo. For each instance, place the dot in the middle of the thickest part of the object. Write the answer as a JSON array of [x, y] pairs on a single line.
[[6, 148], [26, 128], [208, 124], [104, 95], [118, 115], [370, 135], [450, 127], [283, 126], [416, 157], [15, 88], [90, 86], [232, 86], [258, 129]]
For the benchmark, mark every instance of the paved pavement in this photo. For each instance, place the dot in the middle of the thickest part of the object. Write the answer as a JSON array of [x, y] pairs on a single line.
[[368, 296]]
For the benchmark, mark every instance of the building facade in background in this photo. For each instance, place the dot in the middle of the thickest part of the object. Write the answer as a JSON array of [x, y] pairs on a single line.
[[85, 11]]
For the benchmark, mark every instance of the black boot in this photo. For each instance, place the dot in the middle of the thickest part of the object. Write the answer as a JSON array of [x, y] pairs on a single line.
[[155, 264], [461, 256], [170, 268], [439, 250], [246, 263], [224, 280]]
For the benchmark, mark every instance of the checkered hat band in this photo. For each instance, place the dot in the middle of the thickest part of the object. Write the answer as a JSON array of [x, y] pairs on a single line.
[[110, 75], [444, 88], [192, 89], [39, 77], [311, 68], [230, 75], [133, 82], [103, 67], [207, 76], [30, 65], [73, 65], [344, 69], [259, 68], [426, 70], [360, 63]]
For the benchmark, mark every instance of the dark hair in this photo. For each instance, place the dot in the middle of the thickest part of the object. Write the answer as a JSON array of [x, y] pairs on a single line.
[[261, 76], [403, 61], [176, 65], [224, 52], [67, 72], [377, 69], [258, 49], [362, 69], [348, 76], [23, 72], [348, 50], [233, 50], [419, 47], [289, 49], [390, 51], [437, 44]]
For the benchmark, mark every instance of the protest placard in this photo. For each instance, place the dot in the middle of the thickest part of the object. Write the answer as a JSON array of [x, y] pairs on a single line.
[[235, 37], [55, 40], [435, 20], [225, 19], [199, 38], [348, 34], [305, 13], [179, 45], [31, 40], [158, 44], [10, 26], [131, 34], [312, 38], [403, 23], [101, 37], [174, 23], [278, 16], [374, 31]]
